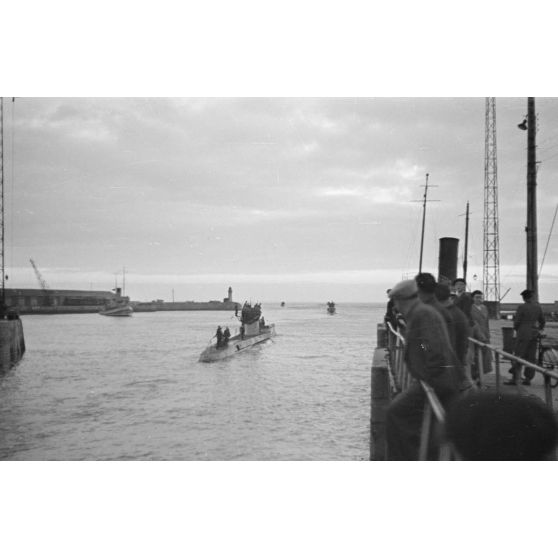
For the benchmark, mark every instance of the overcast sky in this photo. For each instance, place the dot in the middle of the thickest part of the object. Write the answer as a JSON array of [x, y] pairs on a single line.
[[295, 199]]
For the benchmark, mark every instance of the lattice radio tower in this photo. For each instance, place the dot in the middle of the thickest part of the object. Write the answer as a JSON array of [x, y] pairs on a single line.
[[491, 258], [2, 226]]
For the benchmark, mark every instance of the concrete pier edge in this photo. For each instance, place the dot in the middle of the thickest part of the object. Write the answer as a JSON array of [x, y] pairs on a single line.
[[12, 343]]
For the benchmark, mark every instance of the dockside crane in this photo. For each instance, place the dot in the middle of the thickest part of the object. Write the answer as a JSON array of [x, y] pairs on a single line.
[[42, 283]]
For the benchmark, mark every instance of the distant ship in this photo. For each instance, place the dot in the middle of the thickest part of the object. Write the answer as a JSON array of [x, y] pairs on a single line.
[[119, 307], [331, 307], [253, 330], [282, 304], [121, 311]]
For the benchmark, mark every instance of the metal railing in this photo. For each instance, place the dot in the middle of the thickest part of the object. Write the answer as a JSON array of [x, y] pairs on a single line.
[[548, 374]]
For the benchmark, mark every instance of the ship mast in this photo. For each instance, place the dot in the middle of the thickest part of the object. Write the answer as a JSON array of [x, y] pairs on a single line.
[[424, 201]]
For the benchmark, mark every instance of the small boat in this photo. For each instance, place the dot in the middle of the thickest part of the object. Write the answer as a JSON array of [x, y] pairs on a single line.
[[119, 311], [282, 304], [331, 307], [253, 330], [119, 307]]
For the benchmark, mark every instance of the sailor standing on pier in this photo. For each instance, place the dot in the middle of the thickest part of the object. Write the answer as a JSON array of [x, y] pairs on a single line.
[[462, 332], [429, 357], [463, 300], [481, 332], [528, 323]]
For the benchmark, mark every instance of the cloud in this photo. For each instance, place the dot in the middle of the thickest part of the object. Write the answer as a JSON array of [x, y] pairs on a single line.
[[193, 186], [370, 195], [340, 192]]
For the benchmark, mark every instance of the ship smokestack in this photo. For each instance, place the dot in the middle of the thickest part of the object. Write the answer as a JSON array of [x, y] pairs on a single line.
[[447, 261]]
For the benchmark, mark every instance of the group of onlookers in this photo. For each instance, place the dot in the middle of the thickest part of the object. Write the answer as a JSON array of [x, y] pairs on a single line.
[[436, 323], [464, 314]]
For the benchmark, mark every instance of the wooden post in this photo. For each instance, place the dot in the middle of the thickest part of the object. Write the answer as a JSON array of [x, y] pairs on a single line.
[[379, 402]]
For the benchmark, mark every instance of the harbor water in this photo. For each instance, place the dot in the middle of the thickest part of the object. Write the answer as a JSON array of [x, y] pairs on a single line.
[[102, 388]]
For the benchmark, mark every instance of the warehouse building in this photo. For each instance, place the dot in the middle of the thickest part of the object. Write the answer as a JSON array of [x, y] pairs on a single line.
[[51, 301]]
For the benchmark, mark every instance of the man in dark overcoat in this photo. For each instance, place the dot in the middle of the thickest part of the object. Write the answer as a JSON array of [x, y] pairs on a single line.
[[528, 323], [462, 332], [429, 357], [462, 299]]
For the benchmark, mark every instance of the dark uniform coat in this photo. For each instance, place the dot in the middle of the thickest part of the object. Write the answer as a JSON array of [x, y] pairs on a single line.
[[464, 301], [527, 322], [429, 357], [481, 331]]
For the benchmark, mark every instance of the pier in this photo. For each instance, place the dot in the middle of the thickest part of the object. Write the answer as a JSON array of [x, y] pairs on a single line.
[[389, 377]]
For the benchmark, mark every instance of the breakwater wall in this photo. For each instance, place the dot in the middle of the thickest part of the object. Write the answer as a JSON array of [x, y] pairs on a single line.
[[12, 343], [138, 307], [49, 310], [189, 305]]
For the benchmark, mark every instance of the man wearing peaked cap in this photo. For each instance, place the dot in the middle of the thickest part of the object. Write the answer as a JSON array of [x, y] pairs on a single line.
[[404, 290], [528, 322], [429, 357]]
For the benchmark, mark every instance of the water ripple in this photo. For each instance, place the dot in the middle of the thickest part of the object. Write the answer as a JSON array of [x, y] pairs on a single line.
[[96, 388]]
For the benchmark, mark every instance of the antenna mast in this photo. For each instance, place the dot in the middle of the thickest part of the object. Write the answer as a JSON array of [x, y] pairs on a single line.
[[424, 201], [491, 259]]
